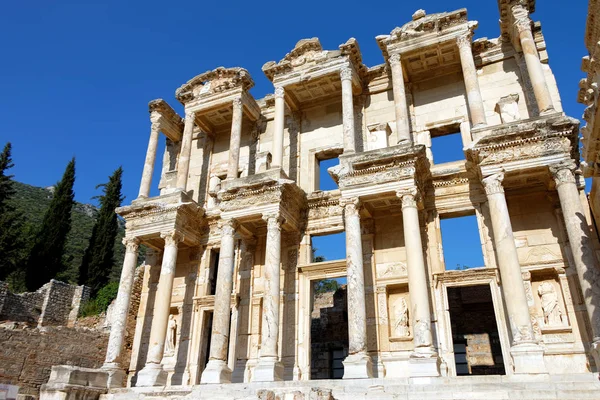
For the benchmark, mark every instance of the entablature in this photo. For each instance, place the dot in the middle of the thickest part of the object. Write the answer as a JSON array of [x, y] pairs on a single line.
[[170, 123]]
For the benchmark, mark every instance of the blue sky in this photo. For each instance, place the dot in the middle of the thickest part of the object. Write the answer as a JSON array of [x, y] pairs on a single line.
[[76, 76]]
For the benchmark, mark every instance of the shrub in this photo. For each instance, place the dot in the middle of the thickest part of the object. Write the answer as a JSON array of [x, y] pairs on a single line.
[[100, 303]]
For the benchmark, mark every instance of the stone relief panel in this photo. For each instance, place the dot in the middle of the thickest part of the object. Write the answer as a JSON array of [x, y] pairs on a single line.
[[399, 318], [549, 305], [394, 269]]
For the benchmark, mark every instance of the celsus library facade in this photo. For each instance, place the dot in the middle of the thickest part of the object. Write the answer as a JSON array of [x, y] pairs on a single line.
[[229, 288]]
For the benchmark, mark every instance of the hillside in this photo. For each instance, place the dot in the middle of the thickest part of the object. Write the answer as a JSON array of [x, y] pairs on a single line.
[[33, 201]]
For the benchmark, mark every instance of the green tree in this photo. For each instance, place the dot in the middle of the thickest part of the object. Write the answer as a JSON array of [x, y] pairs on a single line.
[[46, 256], [98, 259], [11, 224]]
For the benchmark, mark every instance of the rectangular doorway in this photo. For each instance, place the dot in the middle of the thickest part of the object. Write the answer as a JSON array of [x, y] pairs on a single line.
[[328, 328], [475, 337]]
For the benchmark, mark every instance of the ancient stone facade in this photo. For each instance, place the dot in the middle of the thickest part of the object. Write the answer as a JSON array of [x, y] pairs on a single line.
[[227, 294]]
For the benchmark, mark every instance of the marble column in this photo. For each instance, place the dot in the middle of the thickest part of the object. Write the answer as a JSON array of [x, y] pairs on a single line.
[[400, 105], [217, 370], [235, 139], [150, 160], [534, 66], [269, 367], [584, 258], [183, 165], [348, 110], [153, 373], [528, 356], [474, 100], [358, 364], [423, 360], [277, 152], [112, 362]]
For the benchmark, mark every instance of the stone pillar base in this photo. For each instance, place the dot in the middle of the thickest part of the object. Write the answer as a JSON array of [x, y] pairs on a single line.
[[216, 371], [152, 375], [68, 382], [268, 369], [424, 362], [528, 358], [358, 366], [116, 375]]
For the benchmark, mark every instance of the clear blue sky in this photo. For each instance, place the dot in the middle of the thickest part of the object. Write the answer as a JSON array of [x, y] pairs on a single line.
[[76, 76]]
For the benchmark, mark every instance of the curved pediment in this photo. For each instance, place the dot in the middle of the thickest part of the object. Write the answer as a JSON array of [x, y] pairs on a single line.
[[218, 80]]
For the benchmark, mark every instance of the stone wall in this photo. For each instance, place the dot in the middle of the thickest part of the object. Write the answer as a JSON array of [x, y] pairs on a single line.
[[55, 303]]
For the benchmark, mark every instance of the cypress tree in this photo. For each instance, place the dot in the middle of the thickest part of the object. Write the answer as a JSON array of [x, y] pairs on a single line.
[[98, 259], [46, 257], [11, 225]]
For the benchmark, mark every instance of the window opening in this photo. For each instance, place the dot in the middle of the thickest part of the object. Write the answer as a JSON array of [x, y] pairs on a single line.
[[207, 335], [328, 247], [461, 242], [446, 144], [213, 271], [324, 180]]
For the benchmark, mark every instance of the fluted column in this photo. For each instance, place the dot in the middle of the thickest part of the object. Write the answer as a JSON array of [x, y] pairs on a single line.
[[183, 165], [534, 66], [582, 248], [400, 106], [527, 355], [358, 364], [235, 139], [153, 374], [269, 367], [217, 370], [474, 100], [112, 362], [150, 160], [348, 110], [424, 358], [277, 151]]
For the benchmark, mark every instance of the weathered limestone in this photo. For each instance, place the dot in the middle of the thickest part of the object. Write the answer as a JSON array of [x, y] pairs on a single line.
[[269, 367], [116, 339], [532, 59], [527, 355], [235, 139], [150, 160], [423, 360], [474, 100], [277, 152], [217, 370], [579, 235], [153, 373], [358, 364], [348, 110], [183, 165], [400, 106]]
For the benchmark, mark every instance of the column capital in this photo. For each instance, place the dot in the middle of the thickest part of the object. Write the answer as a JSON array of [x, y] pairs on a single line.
[[155, 118], [410, 197], [279, 92], [237, 102], [131, 244], [351, 206], [465, 40], [394, 59], [563, 172], [346, 73], [172, 238], [274, 220], [190, 115], [493, 183], [522, 24], [228, 227]]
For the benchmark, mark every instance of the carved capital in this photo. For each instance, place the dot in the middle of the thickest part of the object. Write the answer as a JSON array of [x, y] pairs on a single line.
[[228, 227], [274, 221], [279, 92], [410, 197], [394, 59], [189, 116], [493, 183], [346, 73], [131, 244], [465, 40], [351, 206], [172, 238], [237, 103], [155, 127], [563, 173], [522, 24]]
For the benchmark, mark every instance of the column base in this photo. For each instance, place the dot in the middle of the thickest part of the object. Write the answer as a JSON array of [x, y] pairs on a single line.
[[116, 375], [424, 362], [216, 371], [358, 366], [528, 358], [152, 375], [268, 369]]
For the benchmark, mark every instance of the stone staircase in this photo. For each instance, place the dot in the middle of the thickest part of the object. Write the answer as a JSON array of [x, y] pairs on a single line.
[[564, 387]]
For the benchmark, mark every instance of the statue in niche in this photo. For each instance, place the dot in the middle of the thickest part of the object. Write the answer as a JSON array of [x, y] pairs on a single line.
[[171, 335], [550, 308], [401, 315]]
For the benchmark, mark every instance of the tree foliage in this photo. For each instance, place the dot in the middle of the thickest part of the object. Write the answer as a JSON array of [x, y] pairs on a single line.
[[46, 257], [98, 259], [326, 285]]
